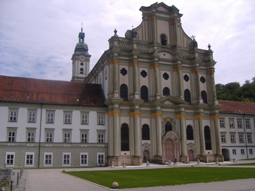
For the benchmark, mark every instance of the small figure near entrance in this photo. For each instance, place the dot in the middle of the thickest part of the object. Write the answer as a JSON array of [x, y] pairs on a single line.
[[175, 162]]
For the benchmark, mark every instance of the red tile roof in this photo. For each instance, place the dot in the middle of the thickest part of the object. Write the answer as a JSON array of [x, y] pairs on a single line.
[[28, 90], [237, 107]]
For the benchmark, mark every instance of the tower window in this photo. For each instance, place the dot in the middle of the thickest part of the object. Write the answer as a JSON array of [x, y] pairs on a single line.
[[166, 91], [123, 71], [163, 39], [186, 78], [202, 79], [165, 76], [204, 96], [81, 71], [143, 74], [124, 92], [144, 93], [187, 96], [81, 64]]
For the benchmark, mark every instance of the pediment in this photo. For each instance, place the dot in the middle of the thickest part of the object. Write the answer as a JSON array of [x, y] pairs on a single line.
[[169, 100]]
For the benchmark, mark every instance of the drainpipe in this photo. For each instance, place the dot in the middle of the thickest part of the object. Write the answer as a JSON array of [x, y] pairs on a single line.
[[39, 149]]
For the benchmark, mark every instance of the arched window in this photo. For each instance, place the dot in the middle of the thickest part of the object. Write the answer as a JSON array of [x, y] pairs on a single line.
[[81, 71], [168, 127], [163, 39], [204, 96], [166, 91], [207, 133], [124, 92], [144, 93], [145, 132], [189, 133], [187, 96], [124, 137]]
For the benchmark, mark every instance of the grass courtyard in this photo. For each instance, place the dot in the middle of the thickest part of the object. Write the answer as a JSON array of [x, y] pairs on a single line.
[[163, 177]]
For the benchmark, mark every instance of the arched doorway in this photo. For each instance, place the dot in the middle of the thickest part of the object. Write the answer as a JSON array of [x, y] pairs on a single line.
[[191, 155], [146, 156], [225, 153], [169, 150]]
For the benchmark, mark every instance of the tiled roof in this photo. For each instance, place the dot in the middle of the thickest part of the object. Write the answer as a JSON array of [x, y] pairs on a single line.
[[237, 107], [28, 90]]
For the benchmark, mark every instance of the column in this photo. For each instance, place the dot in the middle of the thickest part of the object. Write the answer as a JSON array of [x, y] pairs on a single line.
[[197, 83], [217, 133], [135, 79], [110, 81], [110, 133], [156, 66], [201, 133], [116, 133], [184, 155], [179, 81], [158, 116], [214, 96], [138, 136], [116, 82]]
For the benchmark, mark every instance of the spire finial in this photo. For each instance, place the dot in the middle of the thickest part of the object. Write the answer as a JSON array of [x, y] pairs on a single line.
[[209, 46], [81, 26], [115, 32]]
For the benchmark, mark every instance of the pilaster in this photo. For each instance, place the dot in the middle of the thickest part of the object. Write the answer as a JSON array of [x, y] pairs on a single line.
[[210, 74], [201, 132], [178, 69], [197, 85], [134, 64], [215, 118]]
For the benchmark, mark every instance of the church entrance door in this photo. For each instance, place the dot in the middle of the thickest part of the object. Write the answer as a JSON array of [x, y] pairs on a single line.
[[169, 150], [146, 156], [191, 155]]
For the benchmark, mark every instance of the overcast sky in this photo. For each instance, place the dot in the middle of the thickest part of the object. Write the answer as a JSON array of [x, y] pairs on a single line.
[[38, 37]]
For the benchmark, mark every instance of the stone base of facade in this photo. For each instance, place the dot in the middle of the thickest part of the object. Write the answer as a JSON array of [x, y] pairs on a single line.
[[124, 160], [157, 159], [184, 159], [210, 158]]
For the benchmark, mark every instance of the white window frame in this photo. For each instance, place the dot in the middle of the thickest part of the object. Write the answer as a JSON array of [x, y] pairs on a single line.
[[223, 138], [84, 118], [222, 123], [68, 117], [239, 124], [84, 137], [241, 138], [13, 115], [234, 151], [242, 152], [231, 124], [6, 159], [11, 134], [31, 117], [44, 159], [232, 138], [99, 159], [48, 132], [26, 159], [50, 117], [249, 138], [251, 151], [87, 159], [247, 124], [63, 159], [100, 118]]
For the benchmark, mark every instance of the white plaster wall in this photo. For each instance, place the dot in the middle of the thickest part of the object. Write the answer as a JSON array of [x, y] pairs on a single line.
[[163, 28], [144, 81], [124, 79], [203, 86]]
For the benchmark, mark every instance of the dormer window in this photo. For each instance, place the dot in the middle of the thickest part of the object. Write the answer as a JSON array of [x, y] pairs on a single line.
[[163, 39]]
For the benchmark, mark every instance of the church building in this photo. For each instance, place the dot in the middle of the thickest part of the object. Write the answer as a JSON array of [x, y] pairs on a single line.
[[150, 97]]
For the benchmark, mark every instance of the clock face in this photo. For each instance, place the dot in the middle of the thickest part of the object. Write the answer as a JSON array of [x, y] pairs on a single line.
[[82, 57]]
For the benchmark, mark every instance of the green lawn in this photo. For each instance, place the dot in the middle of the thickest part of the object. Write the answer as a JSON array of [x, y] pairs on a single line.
[[163, 177], [244, 164]]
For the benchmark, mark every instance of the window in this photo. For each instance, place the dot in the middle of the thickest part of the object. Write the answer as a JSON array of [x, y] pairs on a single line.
[[186, 78], [9, 159], [13, 115], [187, 96], [84, 118], [204, 96], [30, 137], [241, 140], [100, 118], [31, 116], [49, 135], [249, 138], [202, 79], [234, 151], [123, 71], [247, 124], [166, 91], [83, 159], [29, 159], [207, 134], [231, 123], [124, 137], [232, 138], [124, 92], [67, 117], [189, 133], [222, 123], [100, 138], [11, 136], [144, 93], [165, 76], [67, 135], [50, 116], [223, 138], [81, 71], [145, 132], [143, 73], [239, 124], [66, 160], [84, 135], [242, 151], [48, 159], [163, 39], [100, 159], [250, 151], [168, 127]]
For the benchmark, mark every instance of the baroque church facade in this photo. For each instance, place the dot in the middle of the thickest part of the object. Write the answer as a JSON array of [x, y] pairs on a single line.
[[150, 97]]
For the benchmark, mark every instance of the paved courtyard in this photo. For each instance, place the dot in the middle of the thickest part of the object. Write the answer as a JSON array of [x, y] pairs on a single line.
[[54, 180]]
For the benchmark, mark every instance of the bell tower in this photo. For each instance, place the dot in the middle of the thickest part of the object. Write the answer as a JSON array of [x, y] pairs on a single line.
[[80, 59]]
